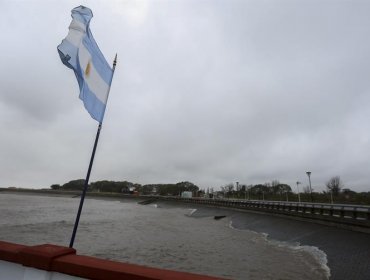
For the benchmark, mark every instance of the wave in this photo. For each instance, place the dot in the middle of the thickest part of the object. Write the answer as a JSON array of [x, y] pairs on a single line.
[[318, 255], [191, 212]]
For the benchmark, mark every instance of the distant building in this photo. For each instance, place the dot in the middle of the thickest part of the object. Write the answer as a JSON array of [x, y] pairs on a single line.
[[187, 194]]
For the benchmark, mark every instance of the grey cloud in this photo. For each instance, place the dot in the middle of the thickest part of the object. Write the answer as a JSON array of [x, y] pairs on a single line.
[[206, 91]]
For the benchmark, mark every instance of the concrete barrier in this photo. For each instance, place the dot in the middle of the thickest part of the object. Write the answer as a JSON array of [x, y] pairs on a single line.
[[53, 262]]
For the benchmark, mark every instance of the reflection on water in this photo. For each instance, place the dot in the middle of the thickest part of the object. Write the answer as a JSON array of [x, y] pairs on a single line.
[[160, 235]]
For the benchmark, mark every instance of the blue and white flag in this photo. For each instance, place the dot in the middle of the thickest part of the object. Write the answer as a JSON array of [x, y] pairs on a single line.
[[80, 52]]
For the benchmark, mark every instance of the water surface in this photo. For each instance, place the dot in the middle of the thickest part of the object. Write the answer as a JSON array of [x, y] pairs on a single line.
[[172, 236]]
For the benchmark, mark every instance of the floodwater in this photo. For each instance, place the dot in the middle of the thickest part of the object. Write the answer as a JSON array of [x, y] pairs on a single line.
[[161, 235]]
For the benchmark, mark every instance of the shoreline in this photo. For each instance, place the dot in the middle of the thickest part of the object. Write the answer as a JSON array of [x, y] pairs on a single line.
[[72, 194]]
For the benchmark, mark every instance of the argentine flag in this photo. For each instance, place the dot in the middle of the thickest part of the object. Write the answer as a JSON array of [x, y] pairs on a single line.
[[80, 52]]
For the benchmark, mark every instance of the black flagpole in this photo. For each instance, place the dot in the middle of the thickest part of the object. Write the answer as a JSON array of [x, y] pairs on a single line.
[[88, 172]]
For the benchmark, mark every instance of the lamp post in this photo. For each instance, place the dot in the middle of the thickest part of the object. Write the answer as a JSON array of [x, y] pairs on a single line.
[[299, 196], [309, 180], [331, 196], [237, 189]]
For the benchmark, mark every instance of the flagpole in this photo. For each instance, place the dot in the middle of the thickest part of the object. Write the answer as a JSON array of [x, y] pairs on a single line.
[[86, 184]]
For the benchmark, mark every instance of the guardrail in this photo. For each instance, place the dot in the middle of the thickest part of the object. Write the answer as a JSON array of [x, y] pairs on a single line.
[[353, 215]]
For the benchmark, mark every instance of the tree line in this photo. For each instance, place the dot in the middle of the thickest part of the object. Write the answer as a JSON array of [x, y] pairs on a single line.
[[335, 192], [128, 187], [268, 191]]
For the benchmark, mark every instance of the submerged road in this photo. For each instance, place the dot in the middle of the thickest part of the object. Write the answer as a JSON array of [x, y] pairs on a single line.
[[348, 252]]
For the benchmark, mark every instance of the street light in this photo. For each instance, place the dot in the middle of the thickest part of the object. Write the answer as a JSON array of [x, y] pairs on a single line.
[[331, 196], [309, 179], [299, 196]]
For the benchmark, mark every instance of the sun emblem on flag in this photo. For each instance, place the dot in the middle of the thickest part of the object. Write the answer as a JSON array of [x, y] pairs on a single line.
[[87, 70]]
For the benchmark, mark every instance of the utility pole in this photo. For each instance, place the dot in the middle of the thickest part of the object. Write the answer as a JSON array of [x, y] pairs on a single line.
[[309, 179], [299, 196]]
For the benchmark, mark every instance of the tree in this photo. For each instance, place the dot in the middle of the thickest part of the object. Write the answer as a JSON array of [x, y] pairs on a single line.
[[334, 185], [187, 186], [259, 190], [285, 188], [228, 189], [275, 187], [55, 187], [74, 185], [348, 191], [146, 189], [112, 186], [175, 189]]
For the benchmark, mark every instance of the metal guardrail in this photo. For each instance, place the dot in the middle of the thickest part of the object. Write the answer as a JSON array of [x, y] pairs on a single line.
[[356, 215]]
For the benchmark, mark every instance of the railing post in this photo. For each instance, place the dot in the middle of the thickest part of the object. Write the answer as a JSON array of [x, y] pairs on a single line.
[[331, 211], [354, 213], [342, 212]]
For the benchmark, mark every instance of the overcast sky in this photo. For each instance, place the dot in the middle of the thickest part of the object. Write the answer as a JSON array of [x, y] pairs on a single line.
[[211, 92]]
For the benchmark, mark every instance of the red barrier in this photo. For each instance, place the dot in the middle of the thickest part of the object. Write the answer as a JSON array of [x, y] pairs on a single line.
[[64, 260]]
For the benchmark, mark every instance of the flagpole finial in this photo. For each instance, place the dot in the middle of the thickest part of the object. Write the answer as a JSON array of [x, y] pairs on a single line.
[[115, 61]]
